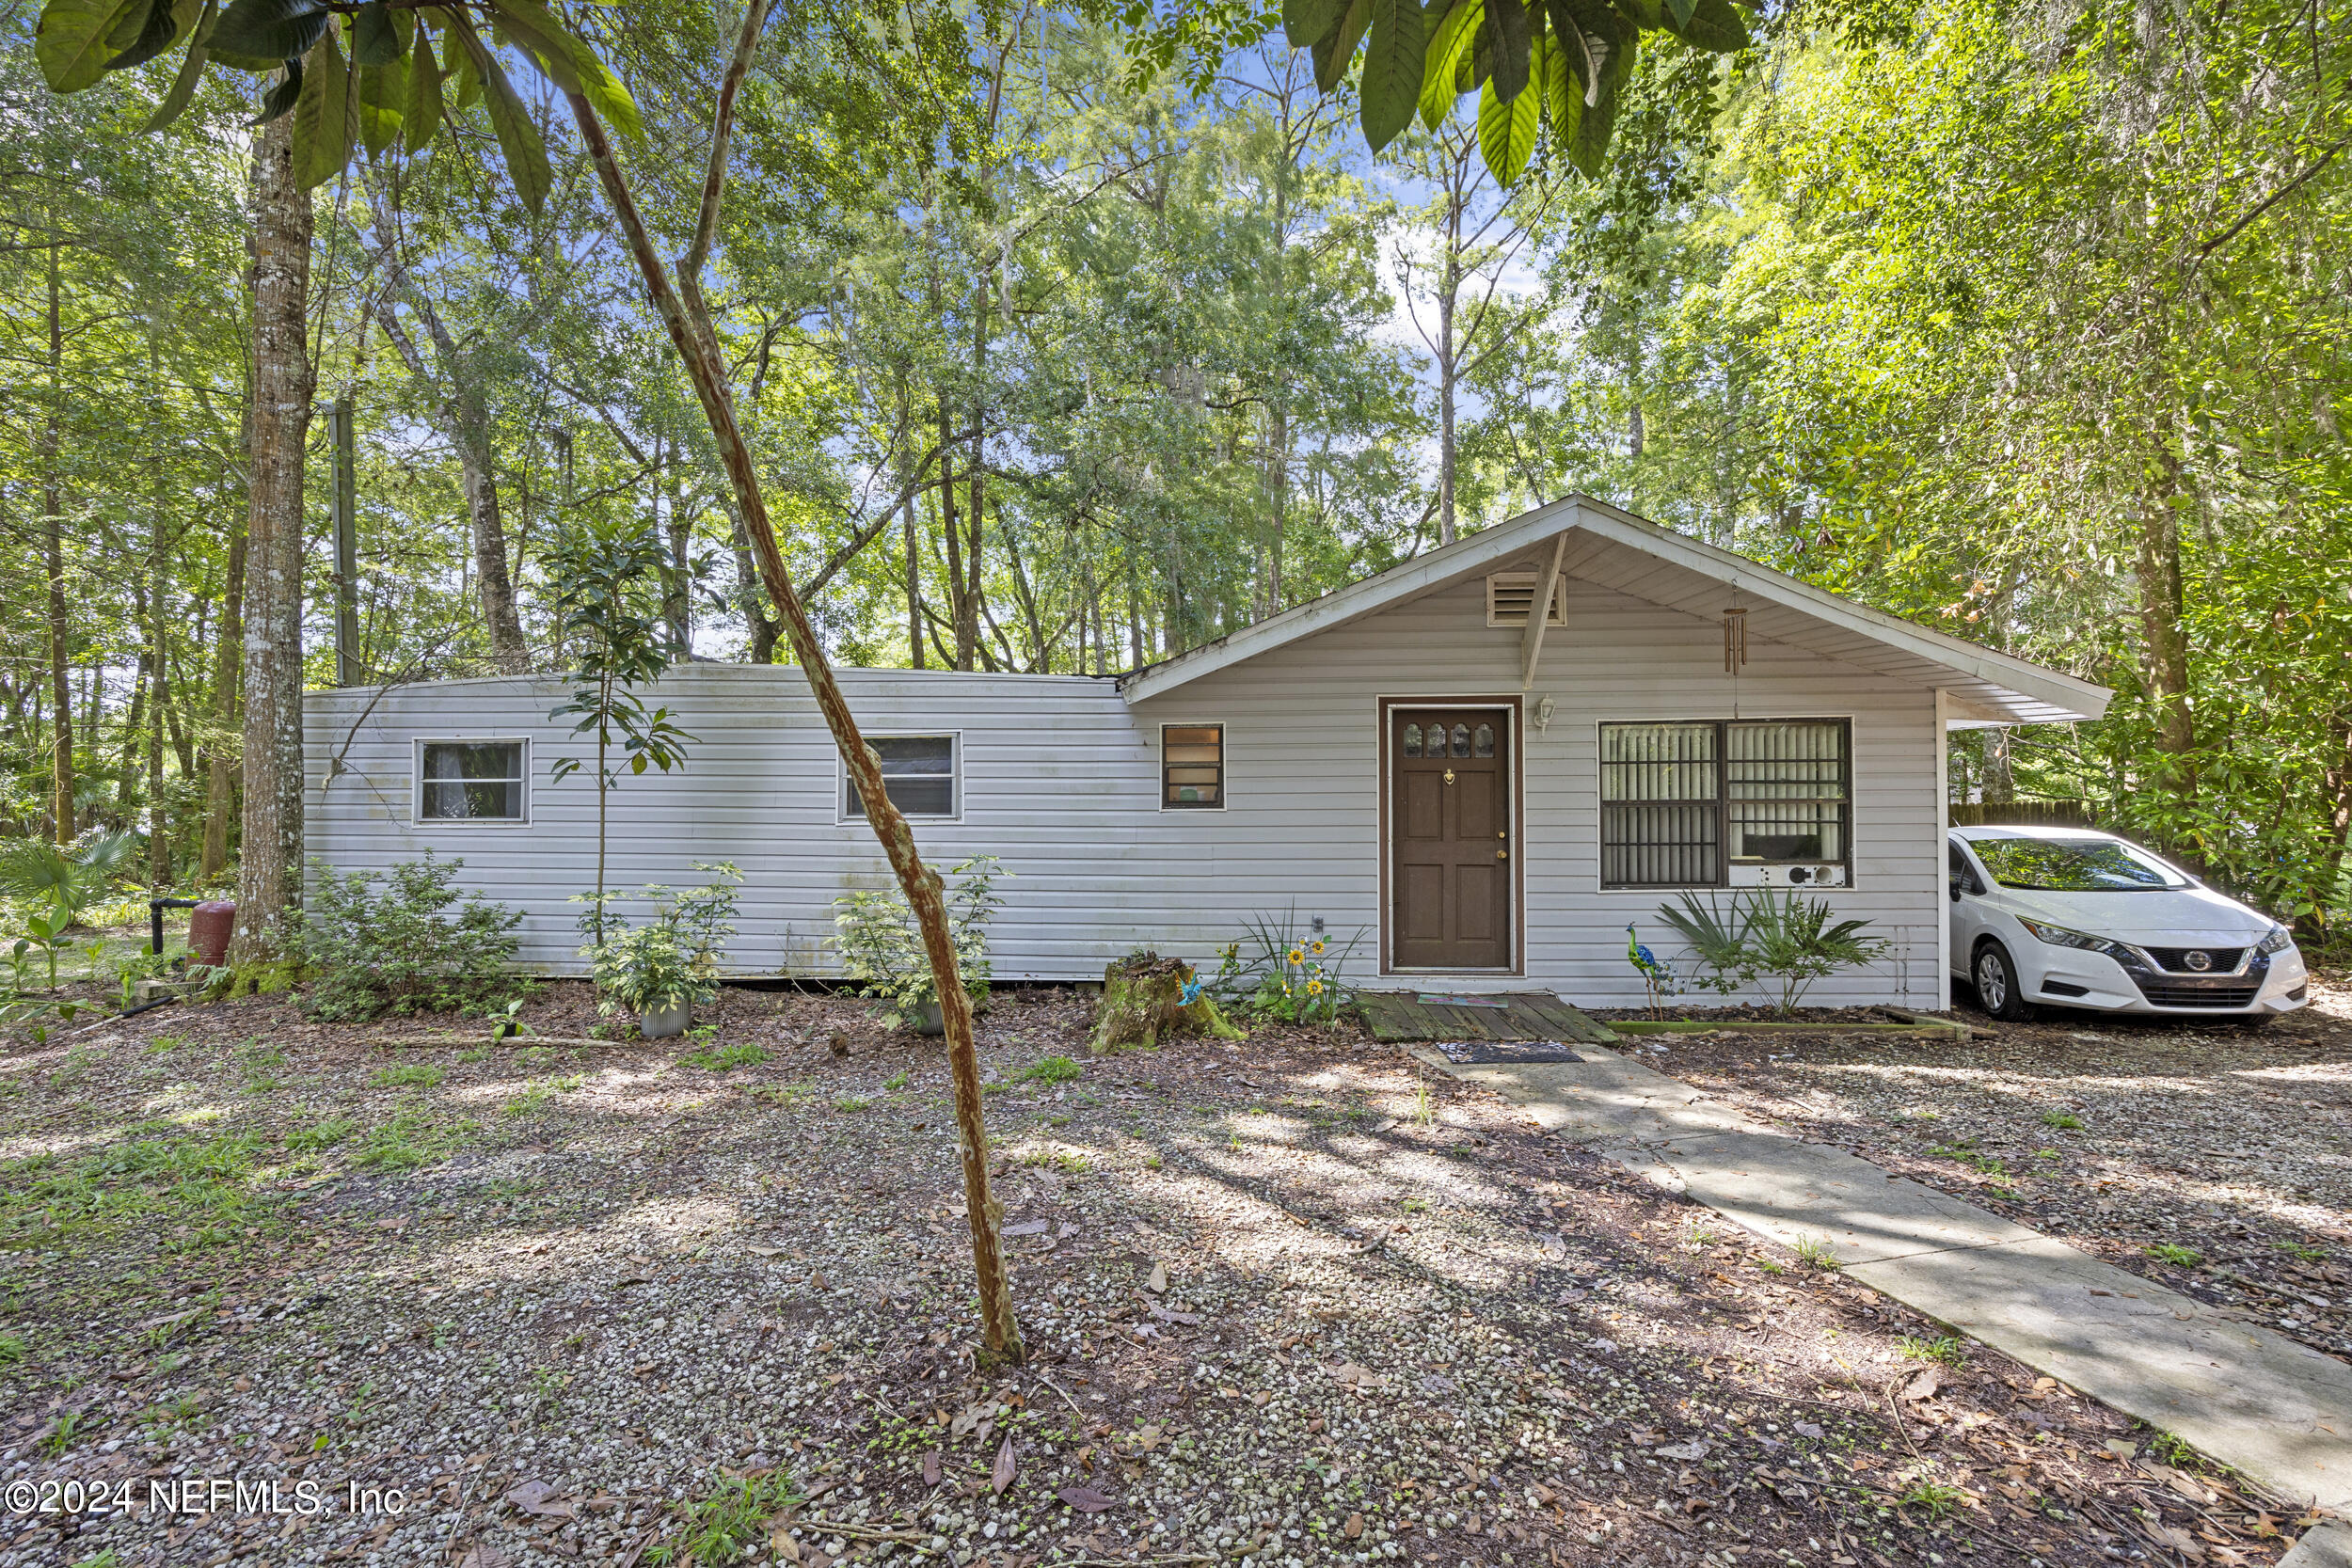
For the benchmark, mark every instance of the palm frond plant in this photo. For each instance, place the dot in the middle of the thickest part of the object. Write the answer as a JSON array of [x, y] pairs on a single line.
[[1785, 940], [59, 883], [1718, 940], [68, 878], [1796, 942]]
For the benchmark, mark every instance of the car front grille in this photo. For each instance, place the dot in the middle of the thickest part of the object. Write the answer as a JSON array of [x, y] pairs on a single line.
[[2174, 960], [2162, 994]]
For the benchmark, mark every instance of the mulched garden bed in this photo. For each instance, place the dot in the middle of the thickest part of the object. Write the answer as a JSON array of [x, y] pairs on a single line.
[[1288, 1301], [2214, 1158]]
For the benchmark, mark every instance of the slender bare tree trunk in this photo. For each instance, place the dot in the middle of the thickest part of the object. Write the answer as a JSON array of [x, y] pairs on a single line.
[[2164, 636], [463, 418], [1448, 374], [968, 600], [915, 589], [747, 587], [53, 550], [220, 782], [707, 369], [269, 866]]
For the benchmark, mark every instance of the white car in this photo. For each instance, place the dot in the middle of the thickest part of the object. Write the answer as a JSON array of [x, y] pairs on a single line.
[[2083, 919]]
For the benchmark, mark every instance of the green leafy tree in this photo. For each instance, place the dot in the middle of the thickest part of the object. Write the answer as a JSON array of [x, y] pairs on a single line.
[[1548, 73], [610, 619]]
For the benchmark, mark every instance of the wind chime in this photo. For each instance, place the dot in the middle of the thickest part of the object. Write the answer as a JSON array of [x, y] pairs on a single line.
[[1735, 648]]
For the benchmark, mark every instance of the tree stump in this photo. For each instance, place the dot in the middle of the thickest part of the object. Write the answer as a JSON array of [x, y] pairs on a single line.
[[1144, 996]]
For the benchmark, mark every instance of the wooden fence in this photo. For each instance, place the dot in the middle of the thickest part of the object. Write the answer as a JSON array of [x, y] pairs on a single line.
[[2024, 814]]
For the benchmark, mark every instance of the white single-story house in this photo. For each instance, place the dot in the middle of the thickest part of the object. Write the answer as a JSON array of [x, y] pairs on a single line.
[[1482, 796]]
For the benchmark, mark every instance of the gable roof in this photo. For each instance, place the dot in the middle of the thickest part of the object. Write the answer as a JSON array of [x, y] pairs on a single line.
[[1616, 550]]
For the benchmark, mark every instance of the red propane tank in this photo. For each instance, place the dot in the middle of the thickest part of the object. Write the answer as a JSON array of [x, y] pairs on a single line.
[[209, 928]]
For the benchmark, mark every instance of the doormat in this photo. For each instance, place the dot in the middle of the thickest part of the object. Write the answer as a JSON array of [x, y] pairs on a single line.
[[1475, 1052], [1431, 999]]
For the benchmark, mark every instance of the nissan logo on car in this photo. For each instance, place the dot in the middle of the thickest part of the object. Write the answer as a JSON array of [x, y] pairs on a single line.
[[2198, 960]]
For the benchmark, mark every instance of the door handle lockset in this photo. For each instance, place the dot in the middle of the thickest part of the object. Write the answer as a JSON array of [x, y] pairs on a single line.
[[1503, 854]]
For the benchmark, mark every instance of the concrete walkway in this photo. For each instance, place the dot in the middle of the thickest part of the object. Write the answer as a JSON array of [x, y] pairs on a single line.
[[2277, 1411]]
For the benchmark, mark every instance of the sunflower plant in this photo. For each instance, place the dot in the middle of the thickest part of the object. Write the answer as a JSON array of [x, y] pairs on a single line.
[[1282, 972]]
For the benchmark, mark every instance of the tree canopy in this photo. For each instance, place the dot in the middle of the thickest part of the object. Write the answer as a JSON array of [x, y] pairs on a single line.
[[1064, 338]]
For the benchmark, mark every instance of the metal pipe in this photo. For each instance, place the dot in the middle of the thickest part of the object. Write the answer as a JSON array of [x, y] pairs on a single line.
[[156, 908]]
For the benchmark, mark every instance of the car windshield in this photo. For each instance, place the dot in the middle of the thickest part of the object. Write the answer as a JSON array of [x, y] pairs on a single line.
[[2074, 865]]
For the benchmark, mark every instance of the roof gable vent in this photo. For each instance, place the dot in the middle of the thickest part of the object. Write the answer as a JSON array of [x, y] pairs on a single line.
[[1510, 593]]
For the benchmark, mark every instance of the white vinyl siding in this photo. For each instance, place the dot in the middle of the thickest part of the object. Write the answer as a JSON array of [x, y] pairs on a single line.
[[1060, 778]]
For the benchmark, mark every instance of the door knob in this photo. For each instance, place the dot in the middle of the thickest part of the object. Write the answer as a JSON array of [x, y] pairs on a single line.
[[1503, 854]]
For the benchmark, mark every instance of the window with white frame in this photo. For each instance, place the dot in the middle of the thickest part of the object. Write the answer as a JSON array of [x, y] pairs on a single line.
[[918, 774], [1682, 803], [471, 781]]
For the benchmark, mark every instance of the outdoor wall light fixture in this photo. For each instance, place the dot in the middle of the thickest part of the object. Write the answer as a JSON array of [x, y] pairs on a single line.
[[1543, 713]]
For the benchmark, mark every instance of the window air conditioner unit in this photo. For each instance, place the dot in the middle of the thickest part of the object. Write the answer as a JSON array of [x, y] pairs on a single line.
[[1757, 874]]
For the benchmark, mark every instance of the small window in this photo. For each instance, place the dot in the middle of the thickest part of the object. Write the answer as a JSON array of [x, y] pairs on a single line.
[[1412, 740], [470, 781], [1192, 766], [1461, 740], [1483, 741], [918, 773]]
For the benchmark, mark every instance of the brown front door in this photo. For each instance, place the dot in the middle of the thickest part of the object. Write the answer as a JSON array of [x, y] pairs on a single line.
[[1450, 838]]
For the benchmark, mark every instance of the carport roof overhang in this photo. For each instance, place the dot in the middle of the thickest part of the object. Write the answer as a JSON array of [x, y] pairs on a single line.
[[1618, 550]]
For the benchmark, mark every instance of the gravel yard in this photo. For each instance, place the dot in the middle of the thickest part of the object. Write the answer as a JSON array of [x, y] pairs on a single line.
[[2215, 1158], [1289, 1302]]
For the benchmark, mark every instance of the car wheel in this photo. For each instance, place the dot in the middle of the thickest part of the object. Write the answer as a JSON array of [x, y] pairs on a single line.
[[1997, 984]]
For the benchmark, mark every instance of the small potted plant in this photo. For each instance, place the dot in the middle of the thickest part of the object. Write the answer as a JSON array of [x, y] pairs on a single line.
[[659, 971], [883, 950], [646, 970]]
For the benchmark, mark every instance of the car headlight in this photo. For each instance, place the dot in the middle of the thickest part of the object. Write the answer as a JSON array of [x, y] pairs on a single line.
[[2279, 941], [2059, 935]]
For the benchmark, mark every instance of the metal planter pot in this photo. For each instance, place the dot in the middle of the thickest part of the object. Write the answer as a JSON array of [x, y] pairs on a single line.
[[664, 1022]]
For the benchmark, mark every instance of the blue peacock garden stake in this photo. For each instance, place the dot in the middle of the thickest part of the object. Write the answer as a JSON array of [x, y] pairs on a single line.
[[1656, 975]]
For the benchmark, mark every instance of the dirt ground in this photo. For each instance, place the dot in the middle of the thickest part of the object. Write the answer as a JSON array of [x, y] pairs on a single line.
[[278, 1293], [2215, 1158]]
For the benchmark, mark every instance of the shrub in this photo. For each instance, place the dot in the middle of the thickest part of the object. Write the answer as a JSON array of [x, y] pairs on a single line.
[[645, 967], [416, 946], [1783, 940], [675, 957], [881, 948]]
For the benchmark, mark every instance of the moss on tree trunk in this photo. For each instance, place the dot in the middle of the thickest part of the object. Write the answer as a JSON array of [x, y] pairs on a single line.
[[1145, 997]]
